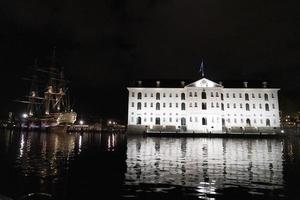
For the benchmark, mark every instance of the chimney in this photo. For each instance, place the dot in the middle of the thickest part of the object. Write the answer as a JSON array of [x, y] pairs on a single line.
[[139, 83], [221, 83], [157, 83], [264, 84], [245, 84], [182, 83]]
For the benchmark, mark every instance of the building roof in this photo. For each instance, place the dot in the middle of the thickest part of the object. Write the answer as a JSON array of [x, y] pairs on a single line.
[[204, 82]]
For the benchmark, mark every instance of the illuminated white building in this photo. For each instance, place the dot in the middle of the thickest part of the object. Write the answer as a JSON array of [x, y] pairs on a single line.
[[203, 106]]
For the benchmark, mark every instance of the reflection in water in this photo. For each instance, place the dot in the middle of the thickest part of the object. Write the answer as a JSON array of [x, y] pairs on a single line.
[[207, 164], [80, 166]]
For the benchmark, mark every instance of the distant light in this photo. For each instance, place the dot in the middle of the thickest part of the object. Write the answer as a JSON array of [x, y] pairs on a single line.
[[109, 122], [282, 131], [25, 115], [81, 122]]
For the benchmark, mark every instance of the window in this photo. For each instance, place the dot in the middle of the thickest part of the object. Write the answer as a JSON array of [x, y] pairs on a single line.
[[170, 95], [164, 94], [233, 95], [145, 105], [170, 105], [228, 106], [139, 121], [204, 121], [182, 96], [176, 105], [191, 120], [267, 107], [266, 97], [132, 94], [176, 95], [157, 96], [139, 95], [260, 106], [211, 94], [203, 95], [145, 119], [157, 106], [247, 107], [235, 120], [227, 95], [151, 94], [182, 106], [212, 104], [259, 95], [151, 119], [268, 122], [157, 121], [222, 96], [145, 95], [253, 106], [151, 105], [248, 122], [240, 95], [203, 106], [164, 105], [273, 106], [196, 119], [222, 106], [191, 105], [234, 105], [170, 119], [139, 105], [196, 105], [132, 104], [247, 97], [273, 95], [217, 94], [191, 94], [241, 105], [253, 96], [183, 121], [195, 94], [217, 105]]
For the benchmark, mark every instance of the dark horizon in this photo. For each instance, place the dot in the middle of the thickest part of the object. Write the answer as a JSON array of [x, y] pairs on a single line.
[[103, 46]]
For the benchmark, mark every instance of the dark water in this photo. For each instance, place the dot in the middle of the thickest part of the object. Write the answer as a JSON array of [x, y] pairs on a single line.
[[116, 166]]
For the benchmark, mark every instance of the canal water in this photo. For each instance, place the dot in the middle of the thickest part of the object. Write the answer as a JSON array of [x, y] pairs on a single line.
[[118, 166]]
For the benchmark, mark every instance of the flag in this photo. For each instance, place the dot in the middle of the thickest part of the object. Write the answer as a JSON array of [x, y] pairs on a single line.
[[201, 69]]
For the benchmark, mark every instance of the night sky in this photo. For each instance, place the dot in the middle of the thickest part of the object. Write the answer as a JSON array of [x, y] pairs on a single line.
[[105, 44]]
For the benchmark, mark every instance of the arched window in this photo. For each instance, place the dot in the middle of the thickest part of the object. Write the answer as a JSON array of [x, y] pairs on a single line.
[[203, 106], [157, 106], [182, 106], [203, 95], [204, 121], [268, 122], [248, 123], [267, 107], [157, 96], [139, 121], [222, 106], [157, 121], [266, 97], [247, 107], [139, 95], [183, 121], [139, 105], [247, 97], [182, 96]]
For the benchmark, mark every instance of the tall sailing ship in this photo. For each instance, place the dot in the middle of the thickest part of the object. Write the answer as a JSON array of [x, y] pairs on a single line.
[[48, 102]]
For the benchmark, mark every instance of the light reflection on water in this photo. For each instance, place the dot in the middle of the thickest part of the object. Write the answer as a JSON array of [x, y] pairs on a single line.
[[73, 166], [206, 164]]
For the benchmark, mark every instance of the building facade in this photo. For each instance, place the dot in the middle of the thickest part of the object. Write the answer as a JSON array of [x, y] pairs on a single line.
[[203, 106]]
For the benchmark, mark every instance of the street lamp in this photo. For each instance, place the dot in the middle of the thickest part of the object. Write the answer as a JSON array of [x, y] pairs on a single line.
[[24, 115], [81, 122]]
